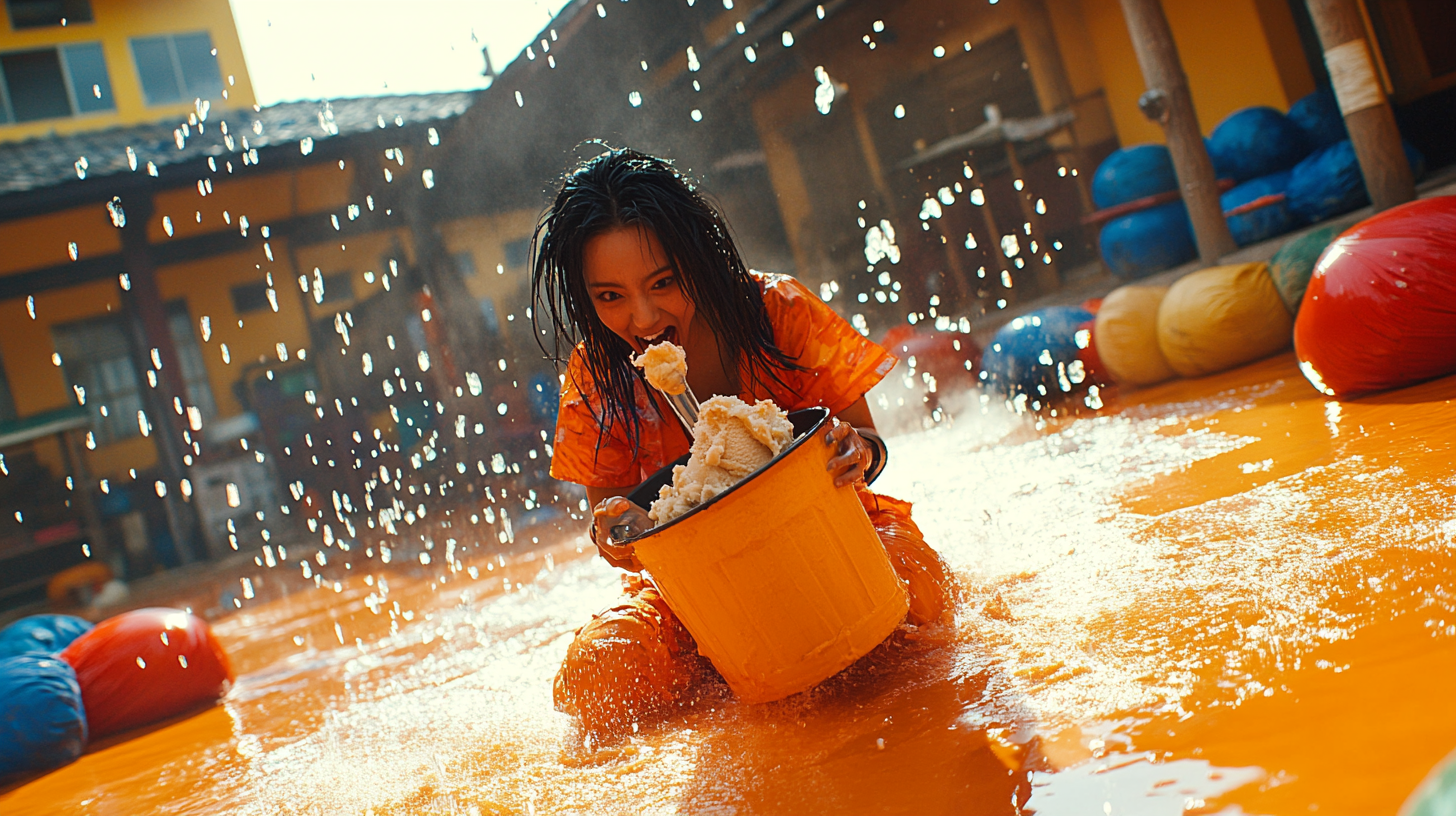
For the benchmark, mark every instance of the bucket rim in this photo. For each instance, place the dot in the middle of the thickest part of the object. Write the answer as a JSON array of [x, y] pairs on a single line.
[[824, 417]]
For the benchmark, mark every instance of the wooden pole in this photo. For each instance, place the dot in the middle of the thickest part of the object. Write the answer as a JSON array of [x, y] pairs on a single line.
[[142, 300], [1169, 102], [1367, 112]]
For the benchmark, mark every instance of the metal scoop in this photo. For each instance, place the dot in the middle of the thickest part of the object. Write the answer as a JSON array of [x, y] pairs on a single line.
[[685, 405], [635, 523]]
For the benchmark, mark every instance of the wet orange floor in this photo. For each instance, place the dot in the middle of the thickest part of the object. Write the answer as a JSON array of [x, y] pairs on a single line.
[[1227, 595]]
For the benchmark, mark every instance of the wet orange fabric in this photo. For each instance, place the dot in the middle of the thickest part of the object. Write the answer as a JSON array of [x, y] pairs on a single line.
[[926, 576], [635, 659], [839, 364]]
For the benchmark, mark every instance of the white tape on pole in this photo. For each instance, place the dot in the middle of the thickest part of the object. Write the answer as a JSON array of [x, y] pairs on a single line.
[[1353, 74]]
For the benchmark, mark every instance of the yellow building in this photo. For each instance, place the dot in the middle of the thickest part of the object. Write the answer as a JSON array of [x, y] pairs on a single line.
[[76, 65], [286, 299], [175, 261]]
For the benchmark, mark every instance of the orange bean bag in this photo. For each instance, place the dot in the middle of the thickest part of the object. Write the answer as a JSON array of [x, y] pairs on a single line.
[[147, 665], [1126, 332]]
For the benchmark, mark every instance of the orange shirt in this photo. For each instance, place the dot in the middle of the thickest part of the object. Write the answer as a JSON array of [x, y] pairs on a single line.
[[839, 366]]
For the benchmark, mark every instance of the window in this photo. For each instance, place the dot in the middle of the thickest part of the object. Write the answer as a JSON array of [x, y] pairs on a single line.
[[464, 264], [177, 68], [7, 403], [96, 356], [338, 286], [517, 252], [487, 311], [52, 83], [250, 297], [189, 354], [40, 13]]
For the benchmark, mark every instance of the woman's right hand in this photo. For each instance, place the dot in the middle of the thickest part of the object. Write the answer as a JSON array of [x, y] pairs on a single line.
[[629, 521]]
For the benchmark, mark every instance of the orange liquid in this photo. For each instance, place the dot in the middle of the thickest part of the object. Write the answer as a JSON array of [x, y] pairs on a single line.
[[1221, 593]]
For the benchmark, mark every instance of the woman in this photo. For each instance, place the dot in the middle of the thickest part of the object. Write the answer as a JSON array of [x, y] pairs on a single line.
[[631, 254]]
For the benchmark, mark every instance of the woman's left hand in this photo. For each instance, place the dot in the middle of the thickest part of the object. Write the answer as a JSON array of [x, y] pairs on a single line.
[[852, 454]]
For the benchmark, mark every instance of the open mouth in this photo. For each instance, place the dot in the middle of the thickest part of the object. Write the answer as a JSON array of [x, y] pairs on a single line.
[[667, 335]]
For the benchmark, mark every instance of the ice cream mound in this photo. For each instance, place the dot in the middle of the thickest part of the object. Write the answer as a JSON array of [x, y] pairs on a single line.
[[665, 366], [731, 439]]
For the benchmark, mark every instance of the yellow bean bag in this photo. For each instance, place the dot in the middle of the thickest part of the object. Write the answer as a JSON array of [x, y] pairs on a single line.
[[1225, 316], [1126, 334]]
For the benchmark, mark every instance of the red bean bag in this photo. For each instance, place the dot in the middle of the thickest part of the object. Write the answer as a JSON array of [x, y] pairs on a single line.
[[951, 358], [1380, 310], [147, 665]]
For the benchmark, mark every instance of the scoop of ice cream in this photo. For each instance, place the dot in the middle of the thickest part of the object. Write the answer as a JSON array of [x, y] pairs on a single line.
[[731, 439], [665, 366]]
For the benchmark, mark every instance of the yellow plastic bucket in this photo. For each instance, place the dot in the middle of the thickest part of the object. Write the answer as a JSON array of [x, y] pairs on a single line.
[[782, 580]]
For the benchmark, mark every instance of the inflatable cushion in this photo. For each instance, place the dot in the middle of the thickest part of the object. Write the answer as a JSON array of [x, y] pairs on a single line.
[[147, 665], [1265, 222], [41, 634], [1126, 332], [1329, 183], [1255, 142], [1292, 265], [1380, 310], [1132, 173], [42, 724], [1142, 243], [1221, 317], [1318, 115], [1030, 355]]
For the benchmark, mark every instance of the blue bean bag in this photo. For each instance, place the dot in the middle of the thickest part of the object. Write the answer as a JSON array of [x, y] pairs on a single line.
[[1318, 115], [1137, 245], [1024, 354], [41, 634], [1265, 222], [42, 721], [1255, 142], [1132, 173], [1329, 182]]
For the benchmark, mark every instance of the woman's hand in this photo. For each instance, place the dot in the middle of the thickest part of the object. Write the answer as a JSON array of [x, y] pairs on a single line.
[[613, 519], [852, 454]]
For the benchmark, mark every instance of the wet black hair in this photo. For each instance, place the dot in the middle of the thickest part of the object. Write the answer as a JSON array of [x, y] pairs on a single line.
[[626, 188]]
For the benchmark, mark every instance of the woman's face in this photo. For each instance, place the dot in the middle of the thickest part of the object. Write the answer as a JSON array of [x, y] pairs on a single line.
[[635, 289]]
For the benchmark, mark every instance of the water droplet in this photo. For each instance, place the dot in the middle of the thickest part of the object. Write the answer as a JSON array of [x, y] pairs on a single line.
[[824, 93], [634, 99], [899, 111]]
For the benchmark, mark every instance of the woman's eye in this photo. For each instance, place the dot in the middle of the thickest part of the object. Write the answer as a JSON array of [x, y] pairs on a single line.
[[664, 283], [608, 297]]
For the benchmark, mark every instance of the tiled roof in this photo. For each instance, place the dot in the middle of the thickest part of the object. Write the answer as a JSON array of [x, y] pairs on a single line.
[[49, 161]]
